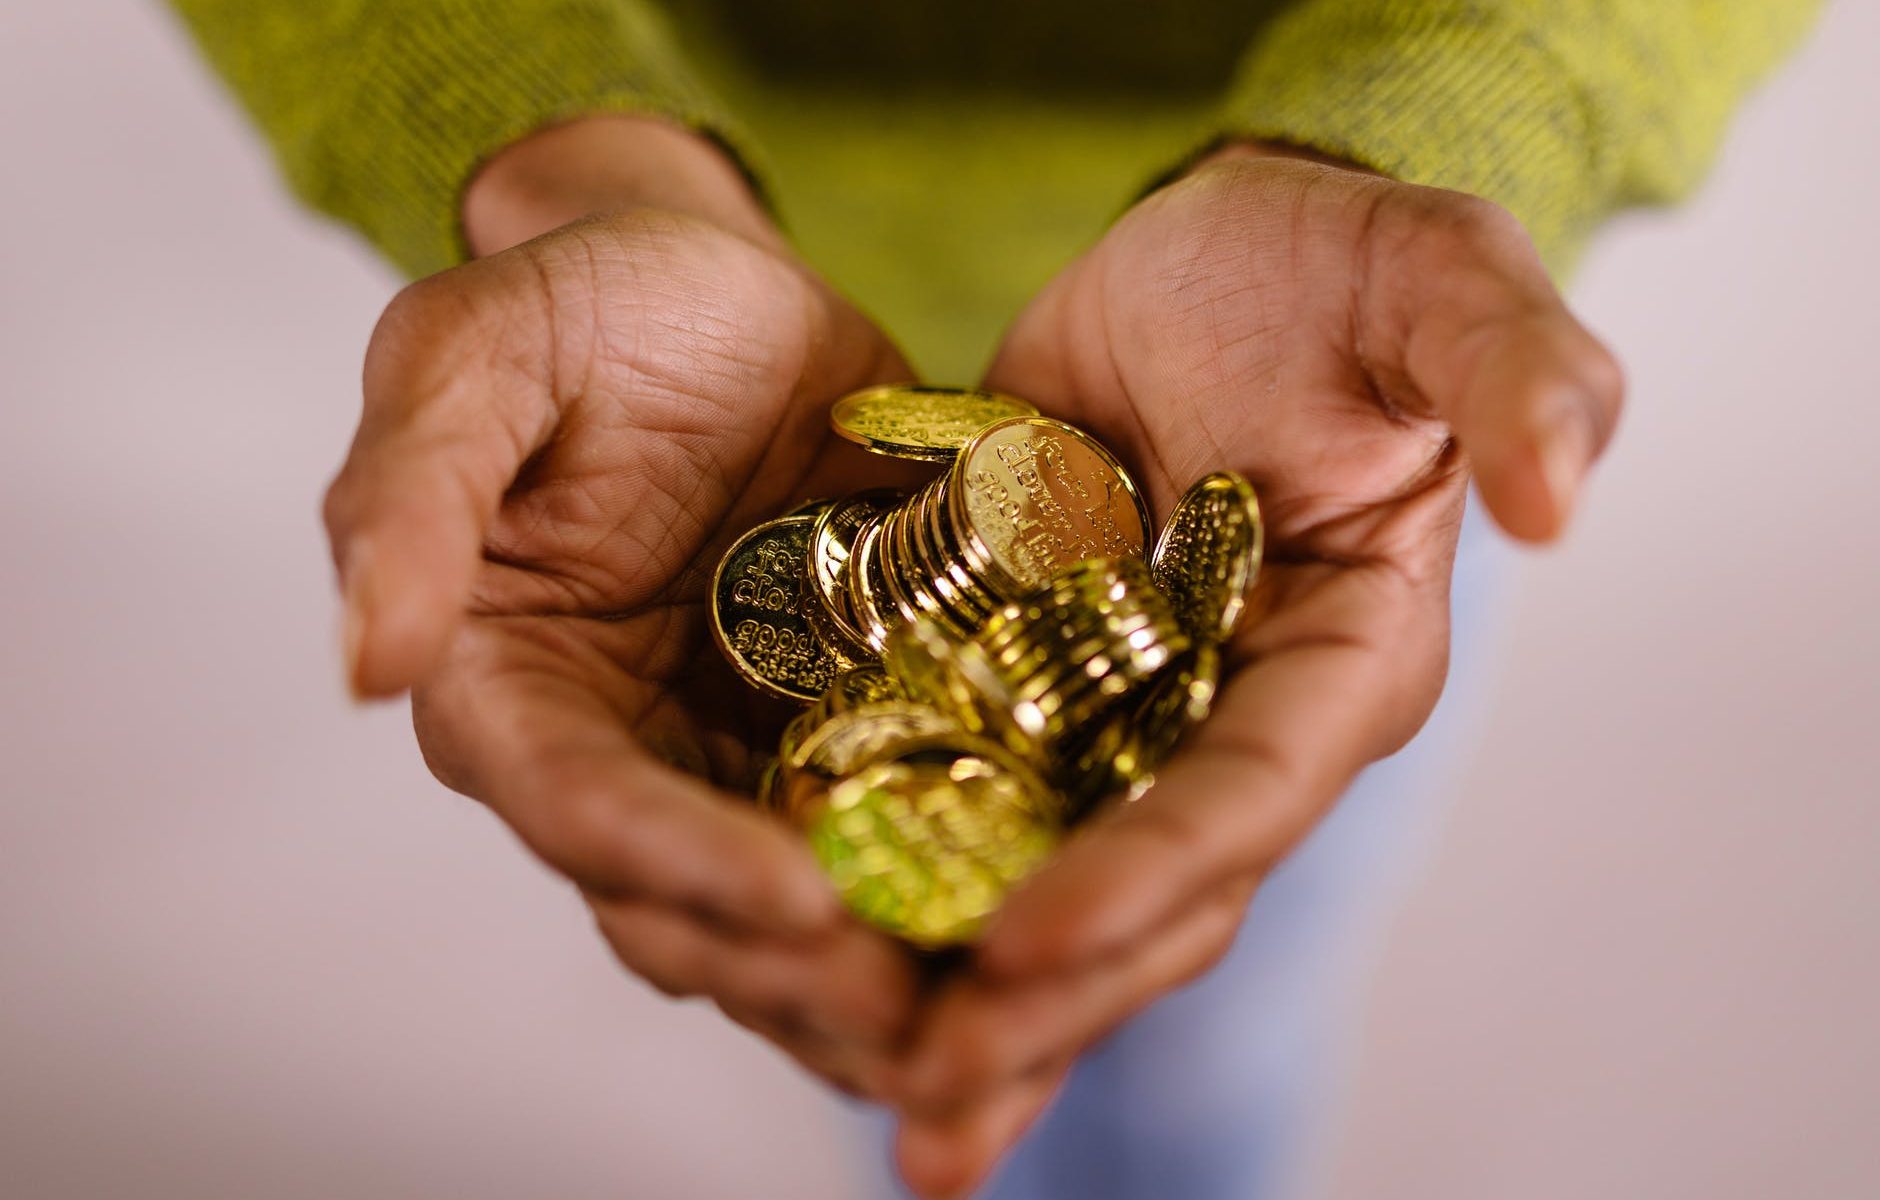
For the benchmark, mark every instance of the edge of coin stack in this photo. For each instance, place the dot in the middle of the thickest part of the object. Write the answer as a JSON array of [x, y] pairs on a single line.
[[986, 658]]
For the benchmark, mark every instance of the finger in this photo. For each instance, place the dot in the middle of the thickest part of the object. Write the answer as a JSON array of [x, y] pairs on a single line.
[[852, 985], [950, 1156], [516, 723], [442, 436], [849, 1068], [1472, 325], [982, 1032], [1342, 671]]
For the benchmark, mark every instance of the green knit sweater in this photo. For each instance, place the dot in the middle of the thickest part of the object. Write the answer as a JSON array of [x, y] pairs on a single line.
[[939, 159]]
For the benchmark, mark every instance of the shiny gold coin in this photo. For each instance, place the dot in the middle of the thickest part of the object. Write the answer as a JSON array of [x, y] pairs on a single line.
[[830, 543], [966, 754], [902, 586], [760, 602], [876, 613], [856, 737], [867, 684], [1208, 554], [818, 751], [845, 650], [1133, 742], [959, 600], [1097, 632], [926, 423], [956, 677], [1031, 496], [970, 595], [929, 851], [1178, 701]]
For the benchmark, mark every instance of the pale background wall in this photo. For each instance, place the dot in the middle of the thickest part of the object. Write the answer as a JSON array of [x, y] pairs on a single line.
[[247, 947]]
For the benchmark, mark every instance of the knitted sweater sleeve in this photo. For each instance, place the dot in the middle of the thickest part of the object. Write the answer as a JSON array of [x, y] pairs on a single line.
[[1563, 111], [380, 111]]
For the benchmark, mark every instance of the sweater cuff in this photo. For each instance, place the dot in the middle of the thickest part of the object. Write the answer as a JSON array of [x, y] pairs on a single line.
[[429, 92], [1439, 92]]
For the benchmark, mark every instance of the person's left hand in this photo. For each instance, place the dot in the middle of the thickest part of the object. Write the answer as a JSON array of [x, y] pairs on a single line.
[[1357, 347]]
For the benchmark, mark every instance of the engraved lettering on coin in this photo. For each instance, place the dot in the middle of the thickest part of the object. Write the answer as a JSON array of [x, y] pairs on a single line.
[[1034, 496], [760, 611], [1208, 554], [926, 423]]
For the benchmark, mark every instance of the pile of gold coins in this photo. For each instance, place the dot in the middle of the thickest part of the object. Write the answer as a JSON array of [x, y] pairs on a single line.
[[984, 659]]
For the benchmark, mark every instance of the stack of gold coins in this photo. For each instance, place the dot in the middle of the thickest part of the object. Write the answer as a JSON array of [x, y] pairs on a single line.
[[986, 658]]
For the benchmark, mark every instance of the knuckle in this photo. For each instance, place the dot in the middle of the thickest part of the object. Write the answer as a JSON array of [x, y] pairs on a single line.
[[1604, 372], [978, 1057], [340, 509], [432, 303], [668, 979], [1481, 224], [571, 826], [669, 965]]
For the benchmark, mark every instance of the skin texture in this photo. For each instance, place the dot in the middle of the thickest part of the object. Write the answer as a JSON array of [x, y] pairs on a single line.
[[1356, 346], [558, 442], [561, 438]]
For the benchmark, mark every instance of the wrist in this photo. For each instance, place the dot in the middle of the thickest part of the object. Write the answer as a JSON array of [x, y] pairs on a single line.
[[602, 164]]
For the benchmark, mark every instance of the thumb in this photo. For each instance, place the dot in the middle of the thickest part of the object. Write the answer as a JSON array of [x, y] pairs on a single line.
[[439, 443], [1488, 344]]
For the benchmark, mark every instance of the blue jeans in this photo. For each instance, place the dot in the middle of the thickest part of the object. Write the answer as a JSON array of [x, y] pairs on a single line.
[[1217, 1091]]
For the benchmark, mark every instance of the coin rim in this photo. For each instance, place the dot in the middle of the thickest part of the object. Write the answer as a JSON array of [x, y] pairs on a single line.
[[907, 450]]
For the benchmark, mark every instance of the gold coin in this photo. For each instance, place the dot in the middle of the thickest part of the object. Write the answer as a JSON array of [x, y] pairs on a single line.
[[867, 684], [1031, 496], [760, 602], [1208, 554], [963, 608], [929, 851], [897, 575], [1096, 633], [956, 677], [1178, 701], [965, 754], [926, 423], [876, 614], [1133, 742], [846, 651], [830, 543], [858, 736]]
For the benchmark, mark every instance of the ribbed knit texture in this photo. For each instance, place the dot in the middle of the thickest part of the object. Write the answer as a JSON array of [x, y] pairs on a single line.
[[1561, 110], [941, 202]]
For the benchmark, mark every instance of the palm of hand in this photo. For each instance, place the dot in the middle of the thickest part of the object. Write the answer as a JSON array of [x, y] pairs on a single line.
[[1342, 340], [559, 442], [687, 404]]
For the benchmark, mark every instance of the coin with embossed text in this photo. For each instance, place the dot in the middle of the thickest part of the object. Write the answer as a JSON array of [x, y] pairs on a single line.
[[926, 423], [760, 611], [1032, 496], [1208, 554]]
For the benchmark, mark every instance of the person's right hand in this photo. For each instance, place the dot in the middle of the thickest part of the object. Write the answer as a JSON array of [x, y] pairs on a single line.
[[558, 442]]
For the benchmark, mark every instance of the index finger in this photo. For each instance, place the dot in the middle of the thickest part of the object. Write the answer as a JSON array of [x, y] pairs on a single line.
[[517, 721]]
